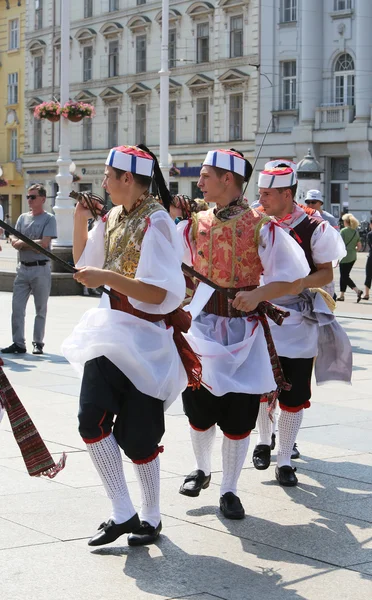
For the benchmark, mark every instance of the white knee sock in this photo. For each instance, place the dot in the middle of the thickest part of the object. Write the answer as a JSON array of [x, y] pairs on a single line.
[[202, 443], [274, 422], [234, 453], [148, 477], [265, 426], [289, 424], [106, 458]]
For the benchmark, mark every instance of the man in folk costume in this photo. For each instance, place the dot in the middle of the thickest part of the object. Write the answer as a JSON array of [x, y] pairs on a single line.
[[132, 352], [311, 329], [231, 245]]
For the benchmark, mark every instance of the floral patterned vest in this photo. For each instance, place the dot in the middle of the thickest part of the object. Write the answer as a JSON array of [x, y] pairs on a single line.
[[227, 251], [124, 234]]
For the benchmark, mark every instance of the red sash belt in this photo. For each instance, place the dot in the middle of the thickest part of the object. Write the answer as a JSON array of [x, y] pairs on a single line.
[[221, 304], [180, 320]]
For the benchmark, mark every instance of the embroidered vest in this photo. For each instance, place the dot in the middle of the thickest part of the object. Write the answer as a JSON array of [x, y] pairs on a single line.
[[227, 251], [305, 230], [123, 236]]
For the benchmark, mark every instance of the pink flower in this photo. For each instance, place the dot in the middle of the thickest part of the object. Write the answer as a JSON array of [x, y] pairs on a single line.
[[78, 109], [46, 109]]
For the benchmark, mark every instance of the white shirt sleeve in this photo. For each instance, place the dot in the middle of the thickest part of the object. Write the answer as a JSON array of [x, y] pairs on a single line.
[[326, 244], [160, 264], [1, 213], [188, 245], [281, 256], [94, 252]]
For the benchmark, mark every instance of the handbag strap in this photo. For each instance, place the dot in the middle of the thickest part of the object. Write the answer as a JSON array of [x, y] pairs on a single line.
[[349, 242]]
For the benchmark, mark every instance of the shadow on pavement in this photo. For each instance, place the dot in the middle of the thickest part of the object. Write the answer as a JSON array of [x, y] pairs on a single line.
[[27, 362], [175, 574], [326, 541]]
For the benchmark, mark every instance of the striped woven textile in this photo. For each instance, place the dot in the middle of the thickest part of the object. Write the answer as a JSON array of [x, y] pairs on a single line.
[[35, 454]]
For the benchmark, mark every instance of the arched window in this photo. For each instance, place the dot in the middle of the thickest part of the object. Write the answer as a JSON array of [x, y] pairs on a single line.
[[344, 81]]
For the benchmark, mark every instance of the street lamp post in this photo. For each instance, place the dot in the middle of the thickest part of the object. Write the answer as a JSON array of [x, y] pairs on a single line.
[[164, 93], [64, 206]]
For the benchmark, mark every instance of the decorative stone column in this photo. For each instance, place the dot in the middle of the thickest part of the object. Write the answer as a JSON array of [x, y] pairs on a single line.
[[309, 71], [164, 93], [363, 60], [64, 206]]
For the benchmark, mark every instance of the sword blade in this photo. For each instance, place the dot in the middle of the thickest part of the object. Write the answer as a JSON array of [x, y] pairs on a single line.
[[36, 247], [47, 253], [192, 273]]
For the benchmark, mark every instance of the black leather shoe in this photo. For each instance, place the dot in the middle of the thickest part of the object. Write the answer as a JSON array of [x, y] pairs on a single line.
[[194, 482], [286, 476], [261, 457], [13, 349], [37, 348], [146, 534], [295, 452], [231, 507], [273, 440], [110, 531]]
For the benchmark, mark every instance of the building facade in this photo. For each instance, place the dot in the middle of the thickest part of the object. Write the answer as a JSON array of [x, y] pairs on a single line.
[[12, 61], [114, 64], [316, 92]]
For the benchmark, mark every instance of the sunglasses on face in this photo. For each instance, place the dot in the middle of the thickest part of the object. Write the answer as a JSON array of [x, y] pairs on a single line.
[[312, 201], [31, 197]]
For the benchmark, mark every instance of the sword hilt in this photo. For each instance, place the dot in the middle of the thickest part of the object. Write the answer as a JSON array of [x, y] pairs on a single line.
[[89, 199]]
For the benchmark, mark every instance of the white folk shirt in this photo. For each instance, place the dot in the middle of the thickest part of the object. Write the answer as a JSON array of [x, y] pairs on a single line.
[[298, 337], [234, 350], [145, 352]]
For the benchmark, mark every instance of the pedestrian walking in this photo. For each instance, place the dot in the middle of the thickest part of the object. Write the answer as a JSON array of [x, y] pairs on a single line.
[[350, 235], [368, 280], [2, 218], [314, 199], [33, 271]]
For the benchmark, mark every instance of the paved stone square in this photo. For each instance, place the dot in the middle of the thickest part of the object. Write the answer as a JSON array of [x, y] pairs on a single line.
[[311, 542]]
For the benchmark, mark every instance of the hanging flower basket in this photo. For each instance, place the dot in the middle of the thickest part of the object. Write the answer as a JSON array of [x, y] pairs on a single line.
[[53, 118], [3, 182], [48, 110], [76, 111], [75, 118]]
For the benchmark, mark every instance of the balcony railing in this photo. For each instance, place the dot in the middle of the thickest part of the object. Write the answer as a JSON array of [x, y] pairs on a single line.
[[333, 116]]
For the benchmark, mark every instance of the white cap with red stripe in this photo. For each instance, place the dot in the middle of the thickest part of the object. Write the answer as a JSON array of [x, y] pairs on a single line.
[[131, 158], [278, 177], [272, 164], [226, 159]]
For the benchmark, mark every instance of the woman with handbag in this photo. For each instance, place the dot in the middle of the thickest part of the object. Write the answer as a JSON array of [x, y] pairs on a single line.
[[350, 235]]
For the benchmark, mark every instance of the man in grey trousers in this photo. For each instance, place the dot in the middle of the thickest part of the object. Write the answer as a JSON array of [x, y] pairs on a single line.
[[33, 271]]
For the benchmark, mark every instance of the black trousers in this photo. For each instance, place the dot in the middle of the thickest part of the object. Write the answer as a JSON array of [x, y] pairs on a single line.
[[106, 392], [345, 279], [235, 414], [297, 371], [368, 280]]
